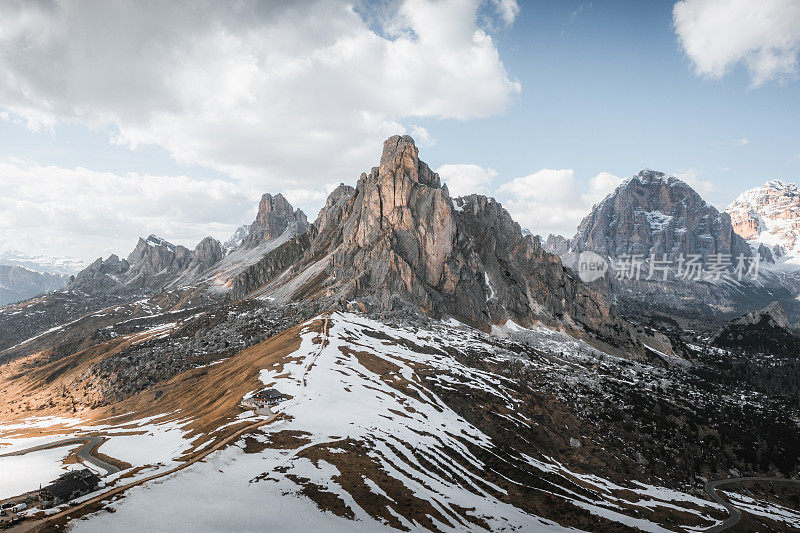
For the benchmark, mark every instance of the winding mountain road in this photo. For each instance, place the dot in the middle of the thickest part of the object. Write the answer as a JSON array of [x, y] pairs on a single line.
[[735, 514], [84, 453], [41, 524]]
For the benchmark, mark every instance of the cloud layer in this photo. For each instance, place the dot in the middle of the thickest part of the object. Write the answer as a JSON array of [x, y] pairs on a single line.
[[552, 201], [84, 213], [764, 35], [269, 92], [280, 96]]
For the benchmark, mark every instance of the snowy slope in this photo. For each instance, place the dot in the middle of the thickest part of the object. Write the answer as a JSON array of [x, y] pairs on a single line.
[[368, 442]]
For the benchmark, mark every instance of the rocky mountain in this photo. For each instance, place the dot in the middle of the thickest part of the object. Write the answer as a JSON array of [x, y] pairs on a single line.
[[42, 263], [275, 215], [18, 283], [656, 216], [654, 213], [398, 241], [768, 217], [152, 265]]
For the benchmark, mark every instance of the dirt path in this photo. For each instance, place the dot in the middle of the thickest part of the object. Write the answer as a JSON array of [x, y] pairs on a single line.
[[735, 514]]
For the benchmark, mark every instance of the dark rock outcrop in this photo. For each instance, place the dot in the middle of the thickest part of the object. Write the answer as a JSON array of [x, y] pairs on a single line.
[[765, 331]]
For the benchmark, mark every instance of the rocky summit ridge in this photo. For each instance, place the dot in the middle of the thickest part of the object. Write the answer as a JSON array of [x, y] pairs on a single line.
[[398, 241], [655, 213]]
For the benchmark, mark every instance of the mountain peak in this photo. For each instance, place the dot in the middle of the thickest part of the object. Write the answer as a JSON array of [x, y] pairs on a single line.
[[154, 240], [275, 215], [780, 185], [395, 145], [656, 213], [277, 204]]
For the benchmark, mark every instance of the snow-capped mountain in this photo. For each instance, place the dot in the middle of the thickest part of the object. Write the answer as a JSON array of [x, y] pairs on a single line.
[[655, 213], [657, 217], [42, 263], [768, 217]]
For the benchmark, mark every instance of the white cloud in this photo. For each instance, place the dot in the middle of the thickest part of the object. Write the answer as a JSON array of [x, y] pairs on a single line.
[[551, 201], [692, 177], [508, 10], [271, 93], [718, 34], [463, 179], [53, 210]]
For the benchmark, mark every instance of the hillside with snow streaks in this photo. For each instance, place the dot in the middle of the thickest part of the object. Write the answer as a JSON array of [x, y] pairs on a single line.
[[370, 436]]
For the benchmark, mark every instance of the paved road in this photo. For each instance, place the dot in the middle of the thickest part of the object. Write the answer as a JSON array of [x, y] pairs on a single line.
[[735, 514], [39, 524], [85, 452]]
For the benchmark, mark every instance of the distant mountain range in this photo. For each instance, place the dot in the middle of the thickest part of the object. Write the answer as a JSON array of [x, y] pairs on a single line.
[[23, 276], [42, 263]]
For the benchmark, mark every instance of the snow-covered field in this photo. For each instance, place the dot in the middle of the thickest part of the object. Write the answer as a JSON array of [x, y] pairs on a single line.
[[23, 473], [367, 445]]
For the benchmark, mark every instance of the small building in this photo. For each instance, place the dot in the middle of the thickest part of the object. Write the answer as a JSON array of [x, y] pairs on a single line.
[[264, 398], [69, 486]]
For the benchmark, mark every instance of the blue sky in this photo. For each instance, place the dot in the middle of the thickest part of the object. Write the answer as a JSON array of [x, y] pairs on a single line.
[[164, 127], [610, 89]]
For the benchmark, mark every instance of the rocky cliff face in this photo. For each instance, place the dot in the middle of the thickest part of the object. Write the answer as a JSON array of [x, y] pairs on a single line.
[[653, 213], [557, 244], [18, 283], [768, 217], [397, 241], [152, 265], [275, 214]]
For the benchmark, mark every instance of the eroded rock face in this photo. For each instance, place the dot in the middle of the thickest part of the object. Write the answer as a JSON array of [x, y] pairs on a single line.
[[152, 265], [525, 282], [557, 244], [275, 213], [206, 254], [653, 213], [398, 241], [769, 216]]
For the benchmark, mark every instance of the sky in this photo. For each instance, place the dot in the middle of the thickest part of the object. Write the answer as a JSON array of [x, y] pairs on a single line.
[[118, 120]]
